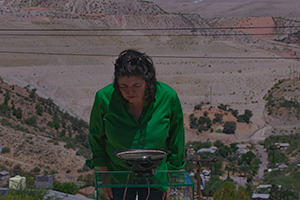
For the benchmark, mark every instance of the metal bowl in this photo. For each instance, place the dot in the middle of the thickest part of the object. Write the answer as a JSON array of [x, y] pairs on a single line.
[[142, 161], [141, 154]]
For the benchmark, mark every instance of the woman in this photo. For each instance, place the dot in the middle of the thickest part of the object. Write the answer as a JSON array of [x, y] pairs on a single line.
[[136, 112]]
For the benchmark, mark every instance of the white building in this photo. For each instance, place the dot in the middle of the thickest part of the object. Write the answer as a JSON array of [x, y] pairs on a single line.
[[17, 182], [282, 145], [209, 150], [260, 196], [264, 186]]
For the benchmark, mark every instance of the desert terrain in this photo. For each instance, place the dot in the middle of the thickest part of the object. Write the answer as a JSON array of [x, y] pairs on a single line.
[[70, 66], [233, 8]]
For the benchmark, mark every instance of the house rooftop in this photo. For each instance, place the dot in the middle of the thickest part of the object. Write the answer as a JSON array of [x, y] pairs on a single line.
[[283, 144], [63, 196], [211, 150], [262, 196], [4, 173], [267, 186]]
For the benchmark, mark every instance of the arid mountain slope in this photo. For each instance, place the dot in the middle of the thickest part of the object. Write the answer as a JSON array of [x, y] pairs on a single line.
[[39, 135], [233, 8], [97, 13]]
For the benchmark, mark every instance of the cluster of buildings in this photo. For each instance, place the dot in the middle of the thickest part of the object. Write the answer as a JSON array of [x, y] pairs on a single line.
[[42, 181], [242, 149]]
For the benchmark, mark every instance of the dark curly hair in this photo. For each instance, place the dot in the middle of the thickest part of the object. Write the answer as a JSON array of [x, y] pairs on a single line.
[[134, 63]]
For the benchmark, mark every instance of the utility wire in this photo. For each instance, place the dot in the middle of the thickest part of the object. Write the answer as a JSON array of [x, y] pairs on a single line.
[[155, 56], [193, 30], [130, 35], [115, 35], [152, 29]]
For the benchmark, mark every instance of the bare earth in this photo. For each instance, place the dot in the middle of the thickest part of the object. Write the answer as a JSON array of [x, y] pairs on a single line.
[[233, 8], [72, 81]]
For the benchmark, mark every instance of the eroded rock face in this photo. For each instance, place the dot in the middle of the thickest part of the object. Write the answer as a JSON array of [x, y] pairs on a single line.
[[102, 14], [128, 7], [233, 8]]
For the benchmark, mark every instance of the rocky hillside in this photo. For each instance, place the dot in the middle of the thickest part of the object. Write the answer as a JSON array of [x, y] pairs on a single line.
[[100, 13], [293, 38], [138, 14], [36, 133], [291, 27], [105, 7], [283, 107]]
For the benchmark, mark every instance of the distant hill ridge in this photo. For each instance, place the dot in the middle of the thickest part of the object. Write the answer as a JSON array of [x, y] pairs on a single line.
[[128, 7], [104, 13]]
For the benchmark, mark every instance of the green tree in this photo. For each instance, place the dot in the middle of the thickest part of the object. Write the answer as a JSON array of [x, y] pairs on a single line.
[[90, 180], [208, 122], [32, 93], [5, 150], [197, 107], [54, 124], [39, 109], [212, 185], [229, 127], [200, 129], [201, 120], [66, 187], [274, 192], [36, 170], [250, 188], [247, 157], [228, 192], [276, 156], [230, 167], [233, 147], [4, 109], [31, 121], [198, 144], [218, 118], [18, 113], [242, 194], [82, 138], [28, 193], [245, 117], [223, 150], [216, 167], [193, 121], [234, 112], [223, 107], [254, 166], [248, 114], [243, 169], [63, 133], [6, 97], [204, 122], [218, 143]]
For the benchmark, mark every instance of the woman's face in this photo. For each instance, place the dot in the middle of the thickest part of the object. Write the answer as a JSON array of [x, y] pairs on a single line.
[[132, 88]]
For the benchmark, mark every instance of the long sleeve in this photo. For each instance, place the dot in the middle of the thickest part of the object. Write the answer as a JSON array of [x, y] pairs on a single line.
[[97, 136], [176, 140]]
